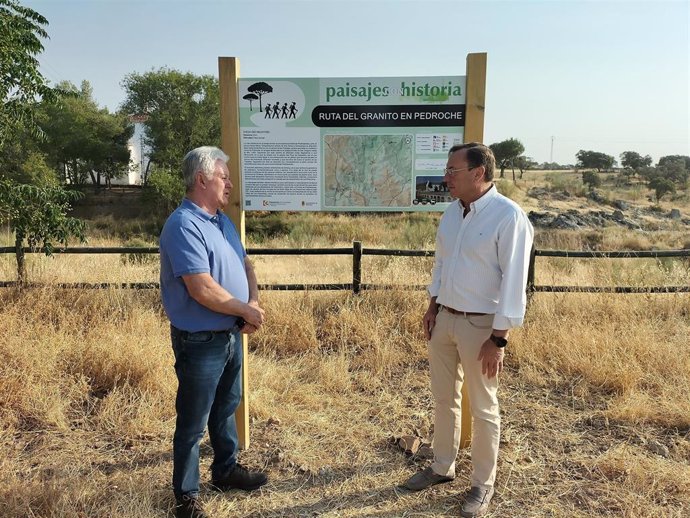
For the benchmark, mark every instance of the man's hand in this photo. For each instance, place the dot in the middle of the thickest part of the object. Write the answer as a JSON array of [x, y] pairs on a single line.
[[429, 320], [253, 315], [248, 329], [491, 358]]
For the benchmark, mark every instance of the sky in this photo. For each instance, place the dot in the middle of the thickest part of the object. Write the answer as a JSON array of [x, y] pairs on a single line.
[[608, 76]]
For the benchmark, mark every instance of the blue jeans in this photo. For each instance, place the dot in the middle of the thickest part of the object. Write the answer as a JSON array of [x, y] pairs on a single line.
[[208, 366]]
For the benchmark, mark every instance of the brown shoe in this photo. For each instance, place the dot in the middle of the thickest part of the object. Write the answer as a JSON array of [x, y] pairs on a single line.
[[476, 502], [425, 478]]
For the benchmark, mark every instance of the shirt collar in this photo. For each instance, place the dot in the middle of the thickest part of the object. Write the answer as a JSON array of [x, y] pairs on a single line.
[[479, 205], [198, 211]]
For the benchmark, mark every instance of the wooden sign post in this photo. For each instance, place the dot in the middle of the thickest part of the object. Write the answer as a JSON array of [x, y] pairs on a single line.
[[228, 75], [475, 95]]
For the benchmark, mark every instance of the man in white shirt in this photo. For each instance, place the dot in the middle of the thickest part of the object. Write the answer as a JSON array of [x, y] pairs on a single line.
[[477, 294]]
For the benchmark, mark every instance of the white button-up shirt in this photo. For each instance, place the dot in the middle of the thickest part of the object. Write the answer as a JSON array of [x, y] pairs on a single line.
[[482, 259]]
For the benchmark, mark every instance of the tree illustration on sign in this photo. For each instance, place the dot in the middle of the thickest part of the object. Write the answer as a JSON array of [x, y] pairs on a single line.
[[250, 98], [260, 89]]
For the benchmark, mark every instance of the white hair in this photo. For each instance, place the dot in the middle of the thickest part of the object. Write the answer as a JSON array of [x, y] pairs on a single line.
[[202, 159]]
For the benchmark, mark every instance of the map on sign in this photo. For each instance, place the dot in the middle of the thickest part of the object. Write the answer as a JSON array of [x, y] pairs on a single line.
[[368, 170]]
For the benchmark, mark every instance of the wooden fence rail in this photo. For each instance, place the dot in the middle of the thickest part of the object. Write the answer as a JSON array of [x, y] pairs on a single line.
[[357, 251], [620, 254]]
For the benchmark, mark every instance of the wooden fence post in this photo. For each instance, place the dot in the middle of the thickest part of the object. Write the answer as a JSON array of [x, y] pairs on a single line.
[[356, 267], [530, 274]]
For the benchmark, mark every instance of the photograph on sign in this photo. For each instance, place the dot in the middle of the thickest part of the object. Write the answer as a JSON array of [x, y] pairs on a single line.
[[430, 190]]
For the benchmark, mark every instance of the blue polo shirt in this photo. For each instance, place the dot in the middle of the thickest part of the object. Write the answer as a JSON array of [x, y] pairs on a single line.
[[193, 241]]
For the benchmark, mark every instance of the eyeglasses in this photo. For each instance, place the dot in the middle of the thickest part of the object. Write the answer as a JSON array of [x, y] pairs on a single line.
[[452, 171]]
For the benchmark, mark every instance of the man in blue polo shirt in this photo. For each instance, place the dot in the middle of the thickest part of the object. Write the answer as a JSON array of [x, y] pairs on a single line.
[[210, 295]]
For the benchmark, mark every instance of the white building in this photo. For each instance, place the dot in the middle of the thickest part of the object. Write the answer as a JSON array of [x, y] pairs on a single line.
[[138, 154]]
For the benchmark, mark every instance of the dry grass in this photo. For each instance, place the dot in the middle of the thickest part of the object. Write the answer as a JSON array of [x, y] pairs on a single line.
[[593, 382], [596, 396]]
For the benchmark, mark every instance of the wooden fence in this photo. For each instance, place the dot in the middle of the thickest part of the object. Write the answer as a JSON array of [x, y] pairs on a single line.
[[357, 251]]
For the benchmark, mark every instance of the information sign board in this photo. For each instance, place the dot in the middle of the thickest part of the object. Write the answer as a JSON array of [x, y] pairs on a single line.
[[348, 144]]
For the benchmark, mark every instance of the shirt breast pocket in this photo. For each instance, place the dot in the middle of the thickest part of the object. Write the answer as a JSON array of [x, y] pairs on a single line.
[[480, 243]]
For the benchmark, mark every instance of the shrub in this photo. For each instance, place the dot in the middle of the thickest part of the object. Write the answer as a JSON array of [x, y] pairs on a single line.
[[591, 179], [38, 217], [163, 191], [266, 225], [662, 186], [562, 182]]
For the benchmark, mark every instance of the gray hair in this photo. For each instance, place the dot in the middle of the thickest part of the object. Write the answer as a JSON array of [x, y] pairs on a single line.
[[202, 159]]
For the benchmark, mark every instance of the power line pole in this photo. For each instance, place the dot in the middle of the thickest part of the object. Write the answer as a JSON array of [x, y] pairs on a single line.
[[552, 139]]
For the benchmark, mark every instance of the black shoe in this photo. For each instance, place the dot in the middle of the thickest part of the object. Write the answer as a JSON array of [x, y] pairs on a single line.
[[476, 502], [425, 478], [240, 478], [189, 507]]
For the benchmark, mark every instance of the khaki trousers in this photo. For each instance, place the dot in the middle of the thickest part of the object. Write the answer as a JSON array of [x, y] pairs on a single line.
[[453, 350]]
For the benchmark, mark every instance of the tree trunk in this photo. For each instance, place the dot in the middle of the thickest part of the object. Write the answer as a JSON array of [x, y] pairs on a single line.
[[74, 174], [145, 178]]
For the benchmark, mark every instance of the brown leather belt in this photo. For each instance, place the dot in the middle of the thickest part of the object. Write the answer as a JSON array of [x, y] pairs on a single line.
[[463, 313]]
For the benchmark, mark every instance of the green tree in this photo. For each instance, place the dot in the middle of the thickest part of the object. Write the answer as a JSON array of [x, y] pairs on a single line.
[[594, 160], [662, 186], [183, 112], [163, 191], [506, 152], [21, 83], [553, 166], [591, 179], [22, 161], [674, 170], [635, 161], [524, 163], [38, 217], [648, 173], [671, 170], [84, 141], [673, 158]]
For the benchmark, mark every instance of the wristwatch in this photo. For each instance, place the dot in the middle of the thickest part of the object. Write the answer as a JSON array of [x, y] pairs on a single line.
[[498, 340]]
